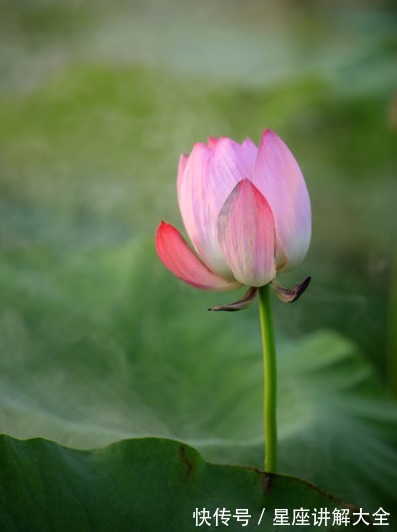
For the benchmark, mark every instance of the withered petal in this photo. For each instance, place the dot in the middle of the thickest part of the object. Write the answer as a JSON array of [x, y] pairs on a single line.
[[240, 304], [289, 295]]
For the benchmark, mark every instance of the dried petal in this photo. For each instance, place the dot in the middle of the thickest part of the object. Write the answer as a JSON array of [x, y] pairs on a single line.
[[290, 295], [240, 304]]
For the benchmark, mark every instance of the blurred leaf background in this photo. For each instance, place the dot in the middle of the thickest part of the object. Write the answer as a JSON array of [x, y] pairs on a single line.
[[98, 341]]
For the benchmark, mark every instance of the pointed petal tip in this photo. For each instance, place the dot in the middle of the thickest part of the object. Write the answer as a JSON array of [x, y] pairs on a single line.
[[162, 225], [162, 222], [269, 133], [212, 142]]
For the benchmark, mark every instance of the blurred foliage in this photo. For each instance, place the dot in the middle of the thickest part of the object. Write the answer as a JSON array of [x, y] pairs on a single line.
[[141, 356], [99, 342], [73, 492]]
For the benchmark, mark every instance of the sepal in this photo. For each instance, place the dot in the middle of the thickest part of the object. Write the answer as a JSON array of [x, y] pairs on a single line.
[[289, 295], [240, 304]]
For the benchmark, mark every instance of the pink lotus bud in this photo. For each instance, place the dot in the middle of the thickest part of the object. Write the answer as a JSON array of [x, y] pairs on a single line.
[[246, 211]]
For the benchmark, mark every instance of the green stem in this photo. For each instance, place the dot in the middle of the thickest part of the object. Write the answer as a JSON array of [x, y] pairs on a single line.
[[270, 384]]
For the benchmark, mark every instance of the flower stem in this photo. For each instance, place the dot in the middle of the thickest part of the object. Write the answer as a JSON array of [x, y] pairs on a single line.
[[270, 381]]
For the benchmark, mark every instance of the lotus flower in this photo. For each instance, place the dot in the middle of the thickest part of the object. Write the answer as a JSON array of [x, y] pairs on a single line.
[[246, 210]]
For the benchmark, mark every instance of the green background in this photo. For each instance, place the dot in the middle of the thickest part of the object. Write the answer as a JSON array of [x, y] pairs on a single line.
[[99, 342]]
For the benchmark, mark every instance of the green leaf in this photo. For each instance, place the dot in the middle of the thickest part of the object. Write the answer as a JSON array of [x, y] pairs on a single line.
[[134, 353], [147, 484]]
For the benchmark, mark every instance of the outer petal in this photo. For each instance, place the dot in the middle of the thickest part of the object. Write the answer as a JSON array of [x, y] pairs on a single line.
[[180, 259], [279, 178], [183, 159], [208, 177], [247, 236]]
